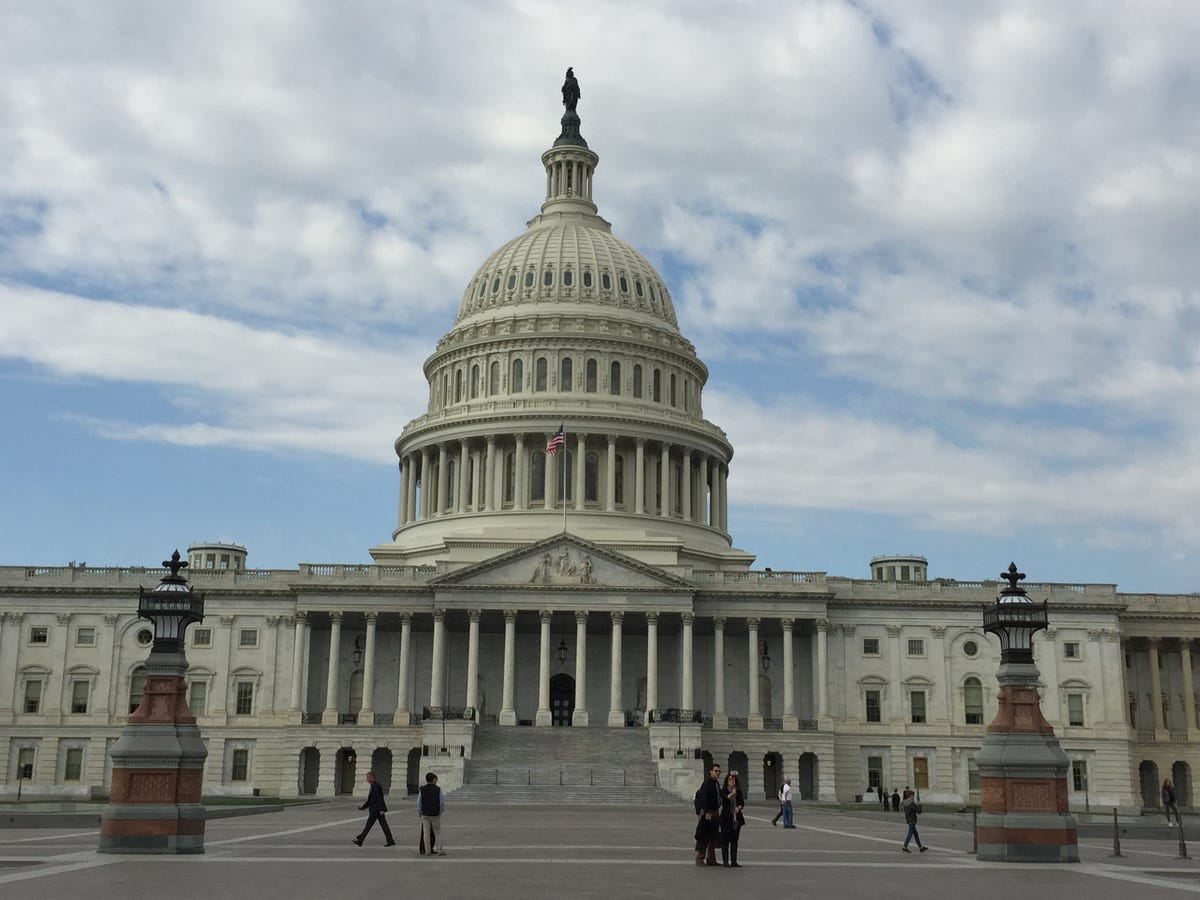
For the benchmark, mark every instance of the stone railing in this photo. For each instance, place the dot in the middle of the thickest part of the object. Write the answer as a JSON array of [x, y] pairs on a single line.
[[764, 578], [448, 713], [134, 576]]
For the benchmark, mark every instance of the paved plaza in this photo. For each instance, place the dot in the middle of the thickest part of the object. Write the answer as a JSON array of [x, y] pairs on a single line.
[[547, 851]]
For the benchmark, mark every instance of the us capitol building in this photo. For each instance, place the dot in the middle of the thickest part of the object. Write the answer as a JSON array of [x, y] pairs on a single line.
[[525, 594]]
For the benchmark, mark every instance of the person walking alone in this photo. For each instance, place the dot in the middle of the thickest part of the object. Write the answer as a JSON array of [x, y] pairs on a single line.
[[431, 803], [377, 812], [785, 795], [912, 809], [1168, 802], [778, 815]]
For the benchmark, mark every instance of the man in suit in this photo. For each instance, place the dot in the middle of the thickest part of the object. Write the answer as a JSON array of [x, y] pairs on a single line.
[[708, 808], [378, 811]]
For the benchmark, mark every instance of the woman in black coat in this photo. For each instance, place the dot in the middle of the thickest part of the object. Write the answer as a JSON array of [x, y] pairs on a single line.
[[732, 820]]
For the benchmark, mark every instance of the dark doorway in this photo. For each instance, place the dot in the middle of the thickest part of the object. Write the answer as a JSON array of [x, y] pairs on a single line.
[[807, 784], [414, 770], [1181, 775], [310, 770], [562, 699], [773, 775], [381, 765], [346, 763], [1148, 778]]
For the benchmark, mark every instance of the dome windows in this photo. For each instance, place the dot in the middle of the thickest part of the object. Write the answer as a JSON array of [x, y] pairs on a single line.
[[548, 278], [637, 286], [482, 286], [587, 278], [605, 282], [496, 285], [518, 376], [539, 376], [614, 378], [637, 382], [624, 283], [657, 394], [566, 375], [529, 279], [589, 381], [512, 281], [568, 278]]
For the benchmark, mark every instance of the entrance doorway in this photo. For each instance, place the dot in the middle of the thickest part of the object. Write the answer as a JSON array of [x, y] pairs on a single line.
[[346, 766], [562, 699], [807, 784], [1181, 775], [381, 765], [310, 770], [414, 771], [772, 775], [1148, 778]]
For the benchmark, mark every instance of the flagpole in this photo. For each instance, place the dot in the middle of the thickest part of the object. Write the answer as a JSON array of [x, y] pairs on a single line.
[[564, 482]]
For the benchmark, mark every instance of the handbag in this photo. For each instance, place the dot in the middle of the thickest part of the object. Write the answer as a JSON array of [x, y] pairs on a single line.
[[741, 820]]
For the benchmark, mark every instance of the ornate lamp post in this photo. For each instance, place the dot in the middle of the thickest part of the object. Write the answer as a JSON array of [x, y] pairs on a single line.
[[158, 762], [1022, 769]]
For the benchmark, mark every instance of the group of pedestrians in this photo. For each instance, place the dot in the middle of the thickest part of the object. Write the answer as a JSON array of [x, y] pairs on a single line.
[[719, 819], [889, 799], [431, 803]]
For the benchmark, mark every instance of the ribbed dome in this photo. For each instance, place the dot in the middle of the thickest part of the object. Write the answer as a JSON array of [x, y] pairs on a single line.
[[569, 262]]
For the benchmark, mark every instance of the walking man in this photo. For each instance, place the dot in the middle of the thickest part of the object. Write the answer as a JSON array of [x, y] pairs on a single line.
[[785, 795], [377, 812], [431, 803], [912, 809], [779, 795]]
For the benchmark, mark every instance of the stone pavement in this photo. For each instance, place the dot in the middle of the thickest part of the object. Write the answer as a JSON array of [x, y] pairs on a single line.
[[536, 852]]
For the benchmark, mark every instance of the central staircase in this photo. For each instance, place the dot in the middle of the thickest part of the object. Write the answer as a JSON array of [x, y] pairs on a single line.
[[526, 765]]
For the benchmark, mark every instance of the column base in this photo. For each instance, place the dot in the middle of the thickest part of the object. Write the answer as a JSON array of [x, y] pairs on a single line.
[[720, 721], [616, 718], [543, 719], [754, 723], [366, 716], [329, 717], [508, 717], [401, 718], [791, 723], [579, 718], [295, 717]]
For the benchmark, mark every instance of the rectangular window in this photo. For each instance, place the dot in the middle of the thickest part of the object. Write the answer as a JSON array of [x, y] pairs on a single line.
[[875, 771], [870, 646], [39, 634], [240, 768], [198, 697], [920, 767], [972, 774], [224, 560], [73, 767], [873, 706], [85, 637], [245, 699], [916, 647], [917, 699], [33, 696], [1074, 709], [79, 696], [202, 637], [25, 763], [1079, 777], [248, 637], [1071, 650]]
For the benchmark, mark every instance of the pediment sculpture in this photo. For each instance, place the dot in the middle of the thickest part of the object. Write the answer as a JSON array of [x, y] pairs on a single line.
[[566, 569]]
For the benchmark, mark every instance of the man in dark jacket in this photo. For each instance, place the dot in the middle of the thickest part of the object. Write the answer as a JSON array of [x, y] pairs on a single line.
[[708, 808], [431, 803], [378, 811]]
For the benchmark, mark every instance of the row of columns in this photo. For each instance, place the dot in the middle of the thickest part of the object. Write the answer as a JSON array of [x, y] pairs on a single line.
[[425, 480], [1189, 690], [616, 713]]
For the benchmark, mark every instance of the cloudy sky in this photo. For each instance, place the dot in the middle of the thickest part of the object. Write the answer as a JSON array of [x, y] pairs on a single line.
[[941, 260]]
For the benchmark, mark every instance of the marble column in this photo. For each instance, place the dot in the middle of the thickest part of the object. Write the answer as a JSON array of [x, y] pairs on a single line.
[[720, 719], [664, 482], [520, 491], [402, 511], [686, 700], [1189, 688], [895, 685], [366, 713], [651, 664], [464, 467], [426, 485], [330, 715], [686, 499], [443, 483], [410, 488], [610, 486], [754, 719], [437, 667], [508, 713], [1112, 669], [580, 715], [725, 498], [1047, 662], [639, 478], [822, 671], [403, 714], [616, 711], [580, 468], [1156, 685], [489, 468], [706, 491], [543, 711], [496, 477], [473, 660], [477, 480], [790, 722], [548, 478], [296, 703]]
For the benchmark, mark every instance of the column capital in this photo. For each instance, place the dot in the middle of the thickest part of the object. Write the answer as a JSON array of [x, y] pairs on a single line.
[[616, 615], [1154, 641], [334, 616], [300, 618], [939, 631], [273, 621], [228, 620], [652, 618], [719, 623], [439, 615], [1095, 634], [894, 630], [666, 446], [371, 616], [474, 614], [464, 444], [545, 615], [109, 619], [510, 615], [405, 618], [787, 624], [491, 440], [822, 624], [581, 616], [753, 622], [581, 436], [611, 438], [64, 618], [1112, 635], [687, 618], [641, 442]]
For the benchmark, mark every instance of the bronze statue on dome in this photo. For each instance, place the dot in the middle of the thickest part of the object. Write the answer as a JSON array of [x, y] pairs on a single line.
[[570, 90]]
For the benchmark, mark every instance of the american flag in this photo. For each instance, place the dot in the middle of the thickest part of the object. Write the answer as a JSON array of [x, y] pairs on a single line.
[[559, 440]]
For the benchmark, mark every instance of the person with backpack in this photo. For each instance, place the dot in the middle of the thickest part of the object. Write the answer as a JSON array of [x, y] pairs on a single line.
[[912, 809]]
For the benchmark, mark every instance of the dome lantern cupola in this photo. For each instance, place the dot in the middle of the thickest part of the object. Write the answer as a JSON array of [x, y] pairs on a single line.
[[569, 163]]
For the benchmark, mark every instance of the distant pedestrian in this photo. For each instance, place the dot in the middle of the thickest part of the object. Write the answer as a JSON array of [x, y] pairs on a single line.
[[431, 803], [779, 814], [912, 809], [895, 800], [377, 812], [786, 794], [883, 798], [1168, 802]]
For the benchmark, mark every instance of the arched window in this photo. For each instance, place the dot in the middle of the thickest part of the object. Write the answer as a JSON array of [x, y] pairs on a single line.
[[512, 282], [445, 389], [137, 684], [619, 481], [687, 395], [565, 377], [657, 395], [537, 476], [451, 482], [457, 385], [591, 477], [567, 278], [474, 381], [510, 476], [517, 384], [672, 389], [539, 376], [590, 377], [605, 282], [624, 283], [528, 279], [637, 382], [496, 285], [973, 701], [494, 380], [548, 277], [614, 378], [587, 278]]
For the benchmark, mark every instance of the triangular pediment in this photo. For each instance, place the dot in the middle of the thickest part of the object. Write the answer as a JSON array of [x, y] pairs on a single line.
[[562, 561]]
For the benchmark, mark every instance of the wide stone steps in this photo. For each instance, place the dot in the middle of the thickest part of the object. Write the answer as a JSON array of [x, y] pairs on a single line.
[[524, 765]]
